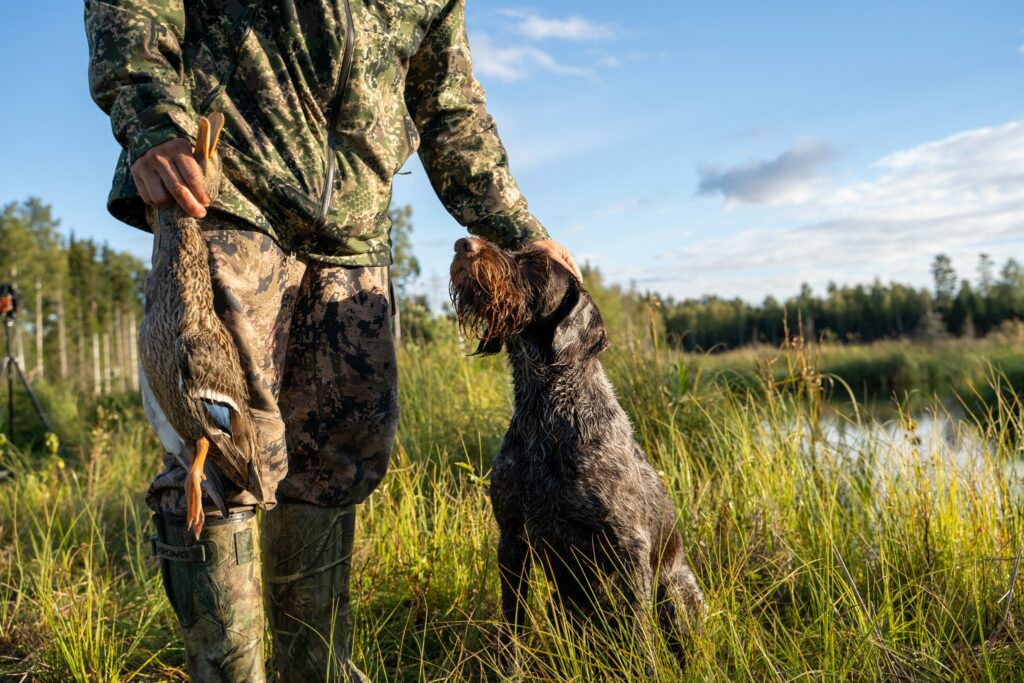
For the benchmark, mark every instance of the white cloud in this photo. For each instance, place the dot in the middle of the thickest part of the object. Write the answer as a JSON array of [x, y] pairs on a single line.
[[787, 179], [574, 28], [960, 195], [517, 62], [974, 172]]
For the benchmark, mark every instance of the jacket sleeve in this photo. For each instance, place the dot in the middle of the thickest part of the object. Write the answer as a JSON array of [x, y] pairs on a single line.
[[459, 146], [136, 70]]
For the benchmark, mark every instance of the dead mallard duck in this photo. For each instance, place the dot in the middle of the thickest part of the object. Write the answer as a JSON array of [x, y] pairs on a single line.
[[193, 384]]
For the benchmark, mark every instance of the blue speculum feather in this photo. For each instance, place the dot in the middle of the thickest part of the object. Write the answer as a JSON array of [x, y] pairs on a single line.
[[220, 414]]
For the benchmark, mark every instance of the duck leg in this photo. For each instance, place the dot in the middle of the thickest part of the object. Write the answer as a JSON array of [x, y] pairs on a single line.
[[193, 487]]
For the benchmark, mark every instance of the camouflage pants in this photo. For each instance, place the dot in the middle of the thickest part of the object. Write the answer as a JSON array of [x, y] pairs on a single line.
[[319, 357]]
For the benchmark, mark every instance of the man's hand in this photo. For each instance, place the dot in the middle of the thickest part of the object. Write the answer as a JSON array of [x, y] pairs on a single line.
[[559, 253], [169, 174]]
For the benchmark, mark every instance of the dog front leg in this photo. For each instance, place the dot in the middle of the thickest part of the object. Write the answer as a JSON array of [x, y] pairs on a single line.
[[636, 585], [514, 571]]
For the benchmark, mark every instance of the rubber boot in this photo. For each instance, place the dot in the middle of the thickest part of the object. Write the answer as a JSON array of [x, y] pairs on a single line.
[[214, 587], [307, 560]]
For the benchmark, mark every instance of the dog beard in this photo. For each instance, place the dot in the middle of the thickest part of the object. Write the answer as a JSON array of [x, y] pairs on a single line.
[[490, 294]]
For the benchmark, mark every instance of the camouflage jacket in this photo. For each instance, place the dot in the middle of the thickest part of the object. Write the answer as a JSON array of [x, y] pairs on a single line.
[[275, 69]]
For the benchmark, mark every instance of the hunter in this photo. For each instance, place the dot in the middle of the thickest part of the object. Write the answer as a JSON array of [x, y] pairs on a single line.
[[324, 102]]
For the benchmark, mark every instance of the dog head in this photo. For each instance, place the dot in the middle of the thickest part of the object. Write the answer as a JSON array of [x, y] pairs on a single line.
[[500, 295]]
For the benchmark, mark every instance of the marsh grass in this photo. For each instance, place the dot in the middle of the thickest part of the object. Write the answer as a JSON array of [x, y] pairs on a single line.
[[915, 374], [821, 560]]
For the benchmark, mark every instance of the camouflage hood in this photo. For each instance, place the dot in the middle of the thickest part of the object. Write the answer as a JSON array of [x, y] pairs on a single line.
[[309, 155]]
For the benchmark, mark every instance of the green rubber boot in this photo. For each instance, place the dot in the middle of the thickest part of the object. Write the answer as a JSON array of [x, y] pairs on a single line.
[[307, 553], [214, 587]]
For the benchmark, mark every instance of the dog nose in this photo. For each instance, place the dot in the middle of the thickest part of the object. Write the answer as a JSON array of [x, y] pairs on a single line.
[[467, 245]]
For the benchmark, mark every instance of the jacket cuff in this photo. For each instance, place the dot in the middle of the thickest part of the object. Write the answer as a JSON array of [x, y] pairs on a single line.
[[157, 126], [512, 231]]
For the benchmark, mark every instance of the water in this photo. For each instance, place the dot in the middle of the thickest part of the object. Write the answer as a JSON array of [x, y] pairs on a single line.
[[939, 438]]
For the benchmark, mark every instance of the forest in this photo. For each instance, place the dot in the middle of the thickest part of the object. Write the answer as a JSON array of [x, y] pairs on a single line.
[[80, 302], [857, 313]]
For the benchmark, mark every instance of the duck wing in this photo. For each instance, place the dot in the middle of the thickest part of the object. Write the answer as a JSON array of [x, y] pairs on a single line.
[[213, 485], [169, 438], [213, 385]]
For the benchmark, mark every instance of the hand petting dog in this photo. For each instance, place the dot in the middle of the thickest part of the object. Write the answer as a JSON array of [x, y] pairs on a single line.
[[559, 254]]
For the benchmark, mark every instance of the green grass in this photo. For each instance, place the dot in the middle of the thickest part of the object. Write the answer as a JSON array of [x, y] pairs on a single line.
[[911, 373], [820, 561]]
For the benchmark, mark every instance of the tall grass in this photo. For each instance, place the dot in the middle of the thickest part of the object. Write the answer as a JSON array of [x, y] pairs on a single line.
[[904, 370], [822, 559]]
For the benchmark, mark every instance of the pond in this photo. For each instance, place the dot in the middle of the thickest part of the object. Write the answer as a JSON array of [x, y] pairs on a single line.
[[940, 437]]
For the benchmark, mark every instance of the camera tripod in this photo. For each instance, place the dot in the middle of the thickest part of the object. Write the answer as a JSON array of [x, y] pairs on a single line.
[[12, 368]]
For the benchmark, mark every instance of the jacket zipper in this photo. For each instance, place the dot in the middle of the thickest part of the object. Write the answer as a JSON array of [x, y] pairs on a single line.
[[334, 117], [225, 78]]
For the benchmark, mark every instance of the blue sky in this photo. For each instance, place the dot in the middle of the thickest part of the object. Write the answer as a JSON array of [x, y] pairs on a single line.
[[735, 148]]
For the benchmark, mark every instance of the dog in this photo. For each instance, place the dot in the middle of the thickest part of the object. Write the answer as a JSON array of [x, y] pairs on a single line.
[[570, 488]]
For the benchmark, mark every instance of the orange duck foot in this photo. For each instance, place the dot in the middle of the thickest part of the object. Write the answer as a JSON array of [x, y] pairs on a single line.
[[193, 488]]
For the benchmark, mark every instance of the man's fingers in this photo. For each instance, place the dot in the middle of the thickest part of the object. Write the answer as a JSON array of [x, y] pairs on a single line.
[[192, 176], [140, 184], [178, 190], [154, 184], [557, 252], [562, 255], [168, 174], [570, 263]]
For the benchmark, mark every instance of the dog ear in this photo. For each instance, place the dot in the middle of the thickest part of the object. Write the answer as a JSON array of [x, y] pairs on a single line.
[[581, 334], [488, 347]]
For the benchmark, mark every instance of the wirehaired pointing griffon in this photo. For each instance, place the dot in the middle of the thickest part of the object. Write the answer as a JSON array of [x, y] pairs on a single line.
[[570, 487]]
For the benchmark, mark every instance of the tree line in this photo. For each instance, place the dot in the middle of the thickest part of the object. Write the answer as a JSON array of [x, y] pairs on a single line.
[[955, 307], [80, 302]]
